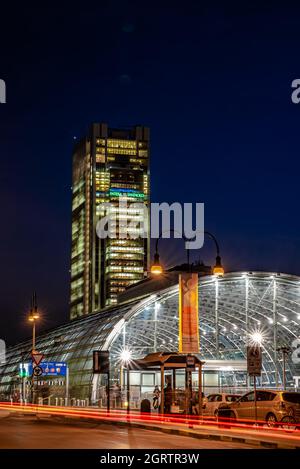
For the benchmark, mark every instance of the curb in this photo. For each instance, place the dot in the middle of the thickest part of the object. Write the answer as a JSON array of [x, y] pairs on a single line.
[[264, 443]]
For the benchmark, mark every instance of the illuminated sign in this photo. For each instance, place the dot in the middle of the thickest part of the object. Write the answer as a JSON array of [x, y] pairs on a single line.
[[120, 193], [188, 313]]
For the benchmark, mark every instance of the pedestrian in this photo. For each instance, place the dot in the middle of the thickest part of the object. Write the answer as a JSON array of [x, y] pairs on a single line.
[[195, 403], [168, 398], [118, 395], [156, 395]]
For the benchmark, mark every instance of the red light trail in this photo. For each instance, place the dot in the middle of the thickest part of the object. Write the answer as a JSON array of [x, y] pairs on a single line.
[[165, 420]]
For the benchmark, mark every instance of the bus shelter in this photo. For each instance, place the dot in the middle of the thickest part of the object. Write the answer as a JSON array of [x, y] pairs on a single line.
[[171, 361]]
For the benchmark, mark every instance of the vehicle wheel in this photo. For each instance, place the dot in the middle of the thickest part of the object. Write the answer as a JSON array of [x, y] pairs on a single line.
[[271, 420], [288, 423]]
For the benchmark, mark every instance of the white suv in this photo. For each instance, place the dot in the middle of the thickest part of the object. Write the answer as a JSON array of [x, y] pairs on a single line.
[[213, 401]]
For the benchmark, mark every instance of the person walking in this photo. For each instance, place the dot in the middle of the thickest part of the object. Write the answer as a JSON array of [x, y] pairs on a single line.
[[168, 398], [195, 403], [156, 395]]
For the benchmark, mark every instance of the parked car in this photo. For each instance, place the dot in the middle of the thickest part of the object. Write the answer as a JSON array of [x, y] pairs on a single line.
[[272, 406], [213, 401]]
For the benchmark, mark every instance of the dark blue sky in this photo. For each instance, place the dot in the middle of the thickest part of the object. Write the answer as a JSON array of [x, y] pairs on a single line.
[[214, 85]]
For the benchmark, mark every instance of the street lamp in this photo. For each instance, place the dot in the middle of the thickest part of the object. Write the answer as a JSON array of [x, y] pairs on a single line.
[[218, 270], [256, 340], [33, 317], [125, 357], [156, 268]]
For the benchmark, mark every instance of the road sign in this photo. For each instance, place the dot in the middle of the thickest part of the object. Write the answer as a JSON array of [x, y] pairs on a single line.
[[54, 368], [37, 371], [100, 361], [37, 357], [50, 368], [254, 360]]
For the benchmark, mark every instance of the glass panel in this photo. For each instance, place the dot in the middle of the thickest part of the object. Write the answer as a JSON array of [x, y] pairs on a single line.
[[148, 379], [135, 378]]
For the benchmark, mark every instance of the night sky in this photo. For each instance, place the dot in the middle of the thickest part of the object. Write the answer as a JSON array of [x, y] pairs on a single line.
[[214, 85]]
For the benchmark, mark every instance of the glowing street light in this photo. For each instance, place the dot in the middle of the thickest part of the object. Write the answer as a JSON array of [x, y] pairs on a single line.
[[156, 267], [257, 338], [33, 317], [125, 355], [218, 269]]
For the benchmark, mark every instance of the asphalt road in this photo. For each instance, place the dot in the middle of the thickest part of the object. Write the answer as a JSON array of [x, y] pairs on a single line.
[[28, 433]]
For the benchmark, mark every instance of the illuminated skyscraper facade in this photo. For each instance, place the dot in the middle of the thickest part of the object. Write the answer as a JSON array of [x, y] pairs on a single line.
[[107, 164]]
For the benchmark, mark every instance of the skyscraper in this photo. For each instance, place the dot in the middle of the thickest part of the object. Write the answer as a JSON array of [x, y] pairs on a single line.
[[107, 164]]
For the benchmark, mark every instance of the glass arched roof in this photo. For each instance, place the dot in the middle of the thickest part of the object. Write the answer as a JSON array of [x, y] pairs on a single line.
[[230, 309]]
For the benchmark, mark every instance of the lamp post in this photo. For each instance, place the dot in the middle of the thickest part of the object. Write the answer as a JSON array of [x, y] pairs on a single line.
[[125, 359], [33, 317], [157, 269], [285, 351], [256, 339]]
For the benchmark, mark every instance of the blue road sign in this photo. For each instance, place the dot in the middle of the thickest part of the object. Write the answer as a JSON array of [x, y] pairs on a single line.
[[49, 368]]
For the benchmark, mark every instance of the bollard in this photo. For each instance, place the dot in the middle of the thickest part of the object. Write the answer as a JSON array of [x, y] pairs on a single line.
[[78, 403], [61, 401], [87, 402], [11, 401], [56, 401], [49, 400], [66, 401]]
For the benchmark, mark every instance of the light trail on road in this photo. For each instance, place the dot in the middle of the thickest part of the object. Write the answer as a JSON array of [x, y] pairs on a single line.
[[163, 421]]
